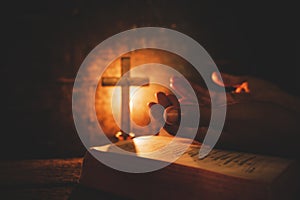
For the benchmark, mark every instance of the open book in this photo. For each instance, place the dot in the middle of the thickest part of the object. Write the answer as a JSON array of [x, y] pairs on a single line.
[[219, 175]]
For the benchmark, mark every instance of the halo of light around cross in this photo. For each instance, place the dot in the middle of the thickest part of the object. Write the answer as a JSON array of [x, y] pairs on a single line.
[[84, 114]]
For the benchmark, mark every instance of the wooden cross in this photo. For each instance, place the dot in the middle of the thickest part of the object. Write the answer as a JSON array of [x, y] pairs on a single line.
[[125, 83]]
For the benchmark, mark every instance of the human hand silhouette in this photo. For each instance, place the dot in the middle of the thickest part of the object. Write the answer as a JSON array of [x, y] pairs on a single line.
[[260, 116]]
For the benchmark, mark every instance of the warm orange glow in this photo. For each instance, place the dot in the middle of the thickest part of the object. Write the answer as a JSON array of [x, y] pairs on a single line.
[[119, 136], [231, 81], [139, 103], [242, 88], [139, 96]]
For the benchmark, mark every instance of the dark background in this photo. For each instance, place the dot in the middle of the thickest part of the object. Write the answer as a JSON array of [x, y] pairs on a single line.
[[44, 43]]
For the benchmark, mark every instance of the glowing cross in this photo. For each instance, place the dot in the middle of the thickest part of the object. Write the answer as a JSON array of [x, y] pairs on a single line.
[[125, 81]]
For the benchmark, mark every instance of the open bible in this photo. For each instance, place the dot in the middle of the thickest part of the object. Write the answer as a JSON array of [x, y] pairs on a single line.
[[220, 175]]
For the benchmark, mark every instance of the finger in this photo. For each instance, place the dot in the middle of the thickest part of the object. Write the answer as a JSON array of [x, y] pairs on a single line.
[[173, 100], [177, 83], [227, 80], [156, 111], [151, 104], [182, 88], [162, 99]]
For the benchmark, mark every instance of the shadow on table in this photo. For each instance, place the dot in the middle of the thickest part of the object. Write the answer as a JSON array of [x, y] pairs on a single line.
[[82, 193]]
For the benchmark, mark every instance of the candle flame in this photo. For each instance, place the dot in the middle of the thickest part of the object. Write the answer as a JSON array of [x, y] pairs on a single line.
[[231, 81], [244, 87]]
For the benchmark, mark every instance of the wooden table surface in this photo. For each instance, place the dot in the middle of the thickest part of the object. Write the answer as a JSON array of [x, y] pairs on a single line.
[[45, 179]]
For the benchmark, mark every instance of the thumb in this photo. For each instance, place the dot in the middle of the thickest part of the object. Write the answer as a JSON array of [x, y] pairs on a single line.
[[227, 80]]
